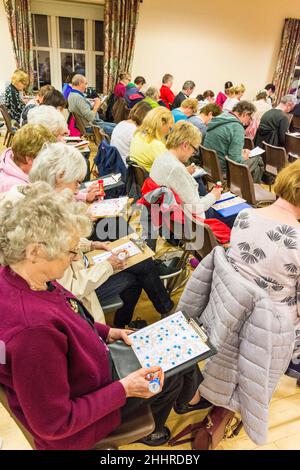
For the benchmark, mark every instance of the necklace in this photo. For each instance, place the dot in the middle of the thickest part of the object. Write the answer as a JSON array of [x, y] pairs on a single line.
[[31, 285], [35, 288]]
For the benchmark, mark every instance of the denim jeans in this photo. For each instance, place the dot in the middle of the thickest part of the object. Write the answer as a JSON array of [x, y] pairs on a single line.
[[107, 127], [129, 285]]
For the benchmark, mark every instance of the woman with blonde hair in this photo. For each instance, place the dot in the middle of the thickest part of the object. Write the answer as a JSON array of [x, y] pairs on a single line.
[[169, 168], [272, 260], [234, 96], [187, 109], [13, 100], [17, 161], [149, 140]]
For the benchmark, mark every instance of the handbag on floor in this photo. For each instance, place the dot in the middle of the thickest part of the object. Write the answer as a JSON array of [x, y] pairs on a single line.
[[220, 423]]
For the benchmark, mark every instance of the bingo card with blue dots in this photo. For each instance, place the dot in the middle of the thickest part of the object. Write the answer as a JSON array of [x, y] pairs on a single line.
[[168, 343]]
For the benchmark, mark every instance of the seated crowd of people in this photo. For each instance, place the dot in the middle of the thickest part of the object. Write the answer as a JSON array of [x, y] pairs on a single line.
[[52, 294]]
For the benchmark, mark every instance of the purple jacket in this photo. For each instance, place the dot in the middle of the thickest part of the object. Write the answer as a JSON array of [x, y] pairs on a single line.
[[57, 375]]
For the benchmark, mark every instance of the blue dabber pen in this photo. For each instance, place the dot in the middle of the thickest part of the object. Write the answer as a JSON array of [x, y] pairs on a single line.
[[154, 384]]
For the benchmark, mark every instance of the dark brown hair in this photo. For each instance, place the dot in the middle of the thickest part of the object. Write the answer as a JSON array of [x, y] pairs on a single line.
[[55, 98]]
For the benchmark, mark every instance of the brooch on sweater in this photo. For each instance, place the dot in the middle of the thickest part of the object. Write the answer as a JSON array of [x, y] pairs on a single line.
[[74, 305]]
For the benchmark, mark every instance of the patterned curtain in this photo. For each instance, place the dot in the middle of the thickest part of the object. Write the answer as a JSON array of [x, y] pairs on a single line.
[[288, 57], [120, 21], [20, 27]]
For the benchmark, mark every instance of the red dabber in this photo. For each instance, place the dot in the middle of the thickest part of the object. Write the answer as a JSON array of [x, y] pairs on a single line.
[[101, 190]]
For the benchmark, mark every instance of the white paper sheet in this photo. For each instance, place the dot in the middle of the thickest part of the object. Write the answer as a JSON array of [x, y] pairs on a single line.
[[255, 152], [228, 203], [108, 207], [199, 172], [226, 195], [107, 180], [130, 247]]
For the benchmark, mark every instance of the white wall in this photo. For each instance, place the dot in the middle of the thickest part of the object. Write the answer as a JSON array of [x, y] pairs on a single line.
[[7, 58], [211, 41]]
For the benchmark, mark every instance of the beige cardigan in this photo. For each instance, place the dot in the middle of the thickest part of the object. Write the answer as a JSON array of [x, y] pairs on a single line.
[[82, 282]]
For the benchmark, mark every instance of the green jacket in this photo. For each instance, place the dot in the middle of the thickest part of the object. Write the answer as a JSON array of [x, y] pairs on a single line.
[[153, 104], [226, 134]]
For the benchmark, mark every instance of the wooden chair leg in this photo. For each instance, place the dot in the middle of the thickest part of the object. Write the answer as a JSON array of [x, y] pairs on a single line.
[[10, 136]]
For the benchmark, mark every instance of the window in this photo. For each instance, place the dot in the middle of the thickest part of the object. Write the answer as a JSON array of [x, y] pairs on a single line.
[[41, 51], [71, 38], [63, 45], [99, 48], [295, 87]]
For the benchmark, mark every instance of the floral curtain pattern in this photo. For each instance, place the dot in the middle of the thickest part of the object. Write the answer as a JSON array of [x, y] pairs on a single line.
[[20, 27], [288, 57], [120, 22]]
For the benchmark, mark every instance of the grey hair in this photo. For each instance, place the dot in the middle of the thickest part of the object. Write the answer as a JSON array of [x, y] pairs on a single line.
[[288, 99], [188, 84], [152, 92], [58, 160], [49, 117], [78, 79], [37, 214]]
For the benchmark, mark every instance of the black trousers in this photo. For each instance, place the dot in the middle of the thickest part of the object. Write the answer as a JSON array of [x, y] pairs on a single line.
[[129, 285], [110, 229], [179, 388]]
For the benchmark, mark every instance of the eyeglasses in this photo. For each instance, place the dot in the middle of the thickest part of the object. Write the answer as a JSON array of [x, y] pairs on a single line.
[[195, 149], [71, 253]]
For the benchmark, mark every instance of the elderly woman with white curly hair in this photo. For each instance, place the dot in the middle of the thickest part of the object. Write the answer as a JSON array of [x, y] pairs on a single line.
[[58, 375], [65, 166], [51, 118], [64, 169], [55, 122]]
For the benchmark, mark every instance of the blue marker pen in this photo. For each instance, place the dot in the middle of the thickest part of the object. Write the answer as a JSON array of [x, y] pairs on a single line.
[[154, 382], [154, 385]]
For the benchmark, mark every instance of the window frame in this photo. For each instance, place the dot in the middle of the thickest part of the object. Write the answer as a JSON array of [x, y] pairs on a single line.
[[80, 12]]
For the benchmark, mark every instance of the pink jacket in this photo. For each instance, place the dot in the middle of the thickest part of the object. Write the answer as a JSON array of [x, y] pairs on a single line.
[[10, 174]]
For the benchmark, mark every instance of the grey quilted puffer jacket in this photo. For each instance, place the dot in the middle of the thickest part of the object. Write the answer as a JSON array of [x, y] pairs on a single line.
[[254, 342]]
